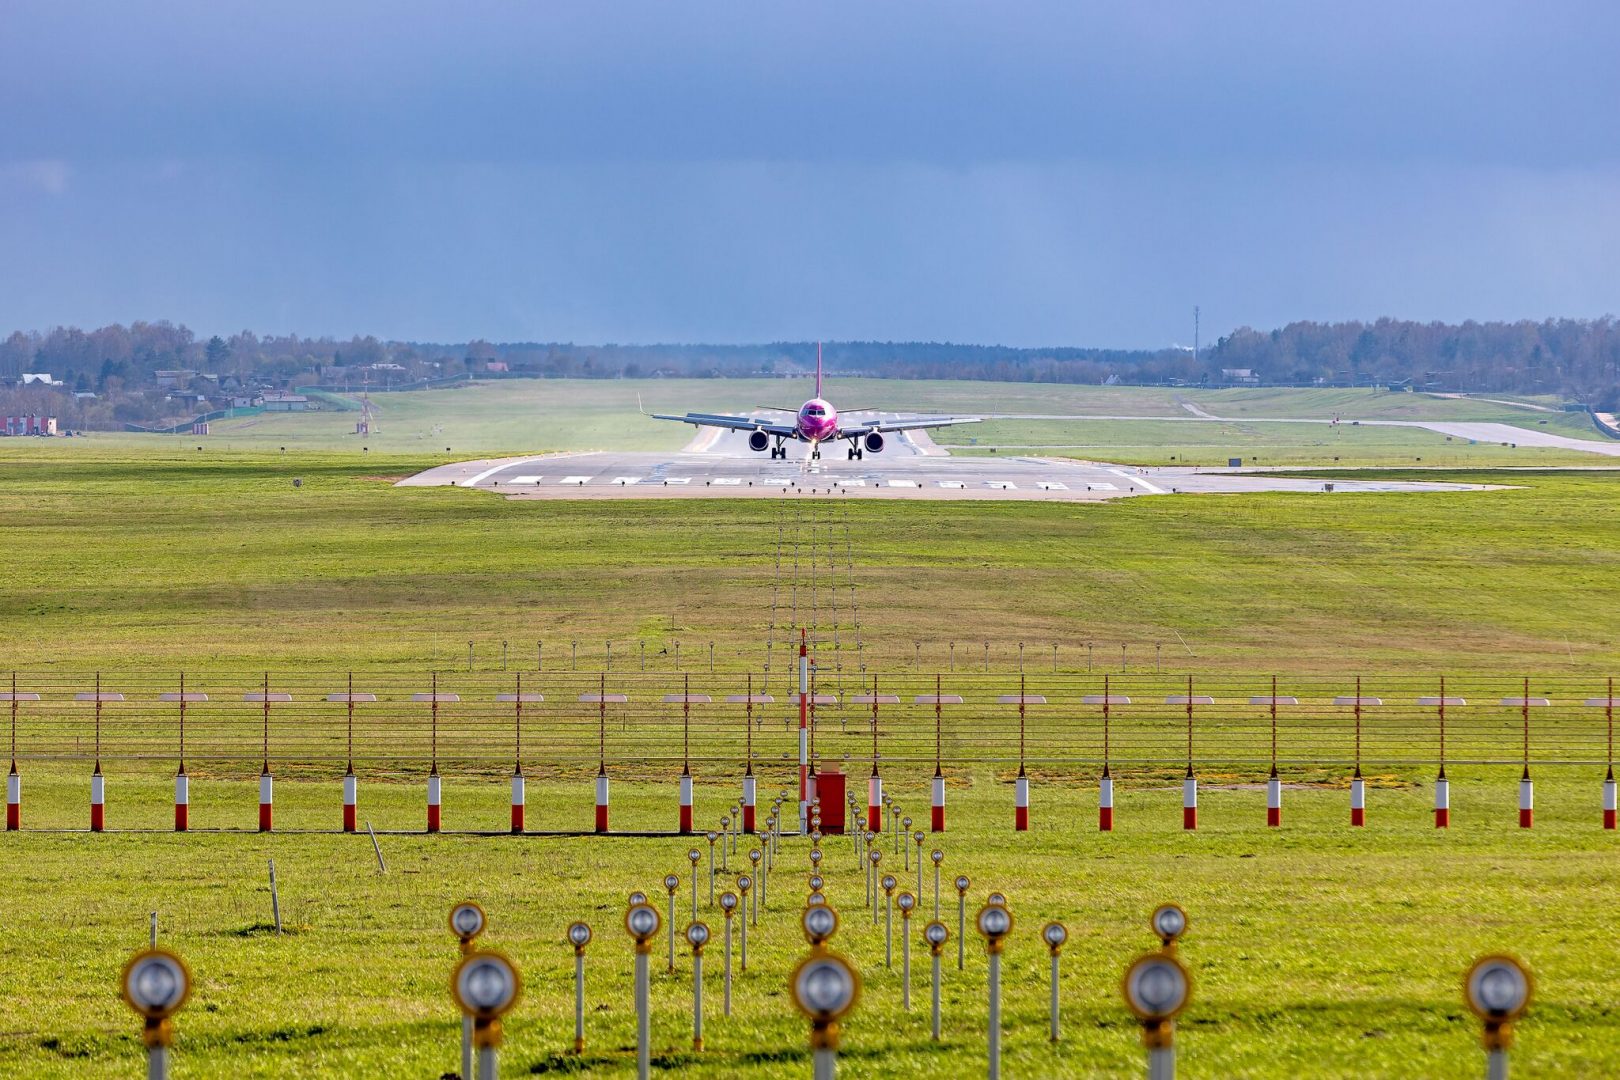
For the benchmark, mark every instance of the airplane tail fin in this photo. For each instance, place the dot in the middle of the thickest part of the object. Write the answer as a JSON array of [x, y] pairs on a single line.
[[818, 369]]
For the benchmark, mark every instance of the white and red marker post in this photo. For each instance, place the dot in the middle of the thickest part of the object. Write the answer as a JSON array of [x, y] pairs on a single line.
[[351, 784], [937, 788], [1609, 779], [1105, 784], [1021, 784], [266, 784], [182, 782], [601, 756], [685, 823], [748, 793], [1527, 789], [1273, 782], [13, 778], [804, 731], [1442, 786], [1358, 787], [434, 788], [519, 784], [98, 782], [874, 783], [1189, 785]]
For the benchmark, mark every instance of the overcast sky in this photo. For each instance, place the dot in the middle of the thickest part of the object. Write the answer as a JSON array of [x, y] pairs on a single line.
[[1022, 173]]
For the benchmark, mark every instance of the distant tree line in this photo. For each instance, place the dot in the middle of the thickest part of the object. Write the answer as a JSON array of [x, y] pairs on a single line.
[[110, 375]]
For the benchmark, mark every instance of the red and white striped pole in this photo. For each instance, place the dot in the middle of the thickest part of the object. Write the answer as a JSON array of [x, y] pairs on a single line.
[[1105, 801], [351, 799], [1609, 799], [98, 800], [1608, 781], [266, 800], [1274, 782], [874, 783], [434, 793], [804, 732], [1021, 785], [748, 768], [13, 781], [518, 793], [937, 788], [1527, 791], [1189, 786], [266, 785], [98, 783], [13, 800], [1105, 785], [182, 799], [1358, 788], [601, 755], [685, 823], [602, 801], [1442, 786]]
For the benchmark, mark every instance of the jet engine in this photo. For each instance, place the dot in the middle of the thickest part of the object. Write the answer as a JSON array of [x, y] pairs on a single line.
[[758, 440], [874, 442]]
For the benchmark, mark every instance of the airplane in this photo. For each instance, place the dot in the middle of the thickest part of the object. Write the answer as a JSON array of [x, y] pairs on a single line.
[[815, 422]]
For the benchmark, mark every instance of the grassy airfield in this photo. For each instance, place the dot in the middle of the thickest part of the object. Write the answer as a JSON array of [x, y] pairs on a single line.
[[1315, 950]]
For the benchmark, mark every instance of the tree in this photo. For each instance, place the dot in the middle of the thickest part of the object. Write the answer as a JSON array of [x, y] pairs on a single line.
[[216, 354]]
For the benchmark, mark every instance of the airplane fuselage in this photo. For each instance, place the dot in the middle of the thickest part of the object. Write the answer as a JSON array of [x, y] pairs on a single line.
[[817, 421]]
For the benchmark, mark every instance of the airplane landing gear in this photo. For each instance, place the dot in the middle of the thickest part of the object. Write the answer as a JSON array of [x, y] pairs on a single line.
[[856, 454]]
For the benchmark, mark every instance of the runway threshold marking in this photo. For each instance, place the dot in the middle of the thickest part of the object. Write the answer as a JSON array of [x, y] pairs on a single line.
[[1004, 485], [575, 480], [727, 481], [527, 479], [1152, 487], [479, 478], [627, 479], [950, 483], [1053, 485], [903, 483], [677, 479]]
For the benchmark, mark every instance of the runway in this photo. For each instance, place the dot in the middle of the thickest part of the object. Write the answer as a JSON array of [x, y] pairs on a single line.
[[718, 464]]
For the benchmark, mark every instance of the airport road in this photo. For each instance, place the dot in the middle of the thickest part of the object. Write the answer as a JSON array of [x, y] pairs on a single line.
[[910, 467]]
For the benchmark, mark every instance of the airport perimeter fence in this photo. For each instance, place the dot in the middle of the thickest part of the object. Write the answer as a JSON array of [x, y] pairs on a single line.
[[651, 725]]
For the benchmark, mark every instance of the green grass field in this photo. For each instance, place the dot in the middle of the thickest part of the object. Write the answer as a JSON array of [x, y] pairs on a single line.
[[1192, 442], [162, 559], [1316, 950]]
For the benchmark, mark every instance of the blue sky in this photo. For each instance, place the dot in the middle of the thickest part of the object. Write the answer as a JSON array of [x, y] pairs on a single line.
[[1022, 173]]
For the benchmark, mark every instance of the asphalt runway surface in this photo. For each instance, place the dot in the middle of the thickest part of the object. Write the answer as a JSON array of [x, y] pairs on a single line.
[[719, 464]]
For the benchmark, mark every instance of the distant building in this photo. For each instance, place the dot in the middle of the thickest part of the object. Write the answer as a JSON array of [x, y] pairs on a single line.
[[496, 365], [42, 378], [1242, 376], [30, 425], [287, 403], [169, 379]]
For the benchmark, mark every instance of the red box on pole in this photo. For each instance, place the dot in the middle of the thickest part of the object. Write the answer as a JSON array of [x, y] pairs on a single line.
[[830, 788]]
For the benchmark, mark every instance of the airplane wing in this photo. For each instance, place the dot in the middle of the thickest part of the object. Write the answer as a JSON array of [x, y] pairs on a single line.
[[732, 423], [845, 431]]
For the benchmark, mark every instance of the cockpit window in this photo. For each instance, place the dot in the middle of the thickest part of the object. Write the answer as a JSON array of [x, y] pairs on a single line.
[[814, 410]]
